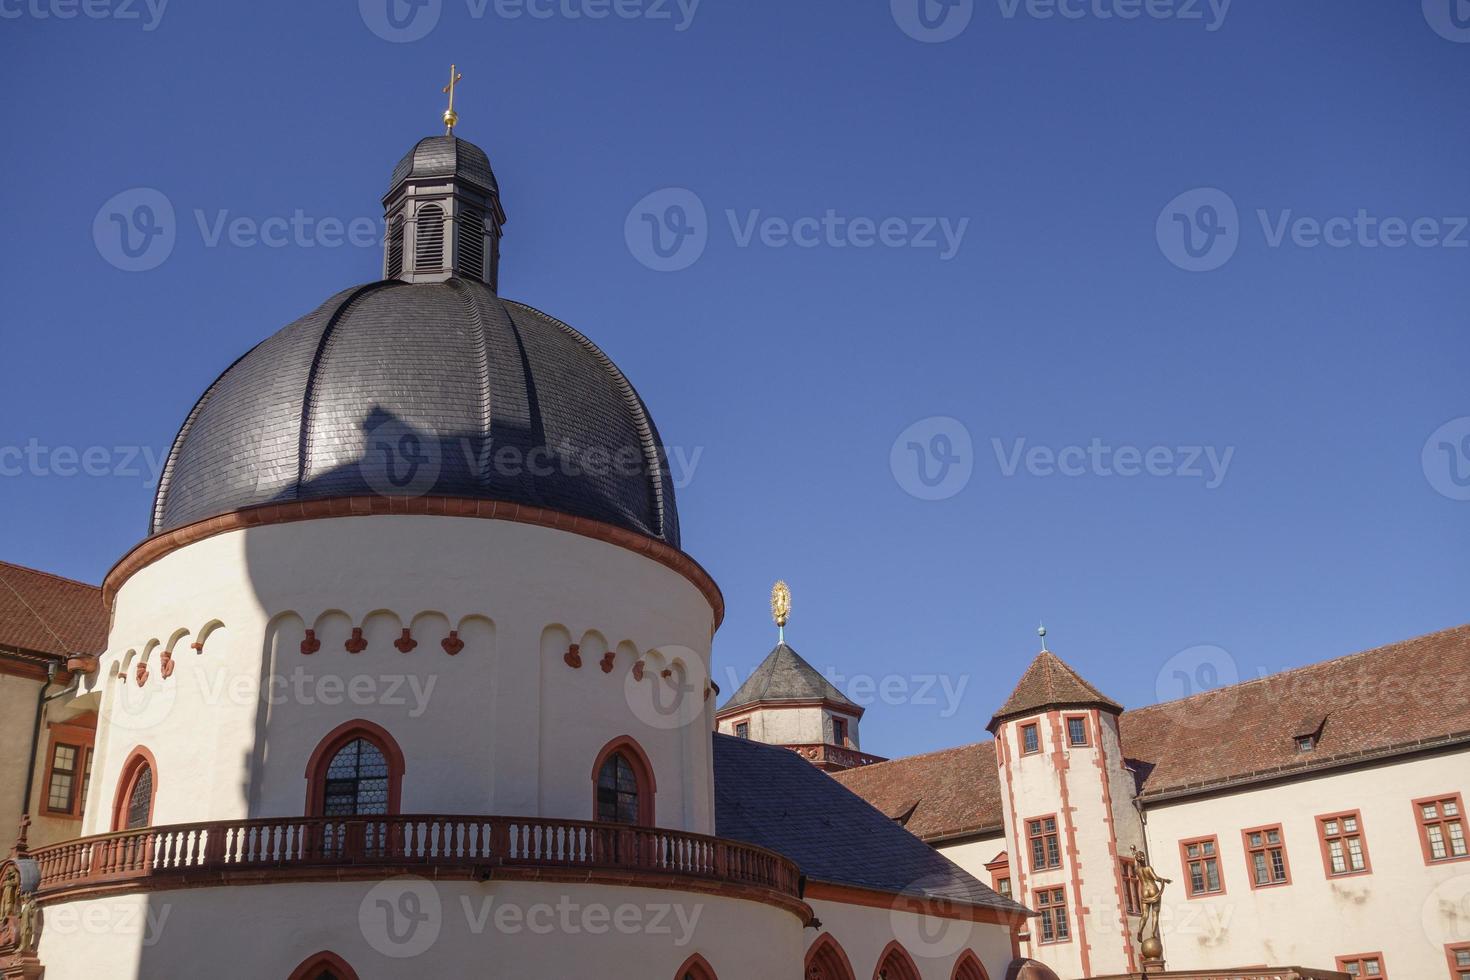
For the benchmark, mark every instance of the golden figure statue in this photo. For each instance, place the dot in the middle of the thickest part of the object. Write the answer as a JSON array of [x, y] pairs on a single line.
[[1151, 894], [781, 606]]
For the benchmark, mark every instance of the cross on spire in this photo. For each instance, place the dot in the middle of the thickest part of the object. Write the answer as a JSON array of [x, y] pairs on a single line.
[[450, 116]]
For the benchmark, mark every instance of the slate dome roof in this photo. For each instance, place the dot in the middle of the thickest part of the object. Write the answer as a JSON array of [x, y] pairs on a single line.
[[445, 156], [426, 388]]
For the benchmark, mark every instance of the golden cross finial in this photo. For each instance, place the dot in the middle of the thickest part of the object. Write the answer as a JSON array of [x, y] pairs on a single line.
[[450, 116], [781, 607]]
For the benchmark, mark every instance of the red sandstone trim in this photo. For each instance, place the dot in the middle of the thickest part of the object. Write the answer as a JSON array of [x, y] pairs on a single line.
[[1074, 863], [969, 967], [312, 966], [136, 760], [827, 956], [628, 746], [1362, 834], [152, 549], [696, 967], [938, 907], [332, 742], [1107, 788], [1423, 827], [1250, 871], [895, 963]]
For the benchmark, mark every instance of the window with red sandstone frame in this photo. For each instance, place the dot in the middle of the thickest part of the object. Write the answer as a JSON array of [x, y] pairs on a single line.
[[1202, 866], [1442, 828], [1344, 850]]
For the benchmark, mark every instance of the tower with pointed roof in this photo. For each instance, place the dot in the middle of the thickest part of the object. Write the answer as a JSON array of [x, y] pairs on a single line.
[[788, 702], [1069, 821]]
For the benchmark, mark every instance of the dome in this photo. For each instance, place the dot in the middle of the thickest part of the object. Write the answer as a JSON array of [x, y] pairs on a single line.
[[445, 156], [415, 389]]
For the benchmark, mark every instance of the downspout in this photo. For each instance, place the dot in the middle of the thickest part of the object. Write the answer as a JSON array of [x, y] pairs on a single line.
[[25, 806]]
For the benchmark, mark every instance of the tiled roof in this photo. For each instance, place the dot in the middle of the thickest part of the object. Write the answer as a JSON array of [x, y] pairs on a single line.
[[1049, 682], [32, 600], [950, 792], [785, 676], [1382, 700], [1391, 699], [771, 797]]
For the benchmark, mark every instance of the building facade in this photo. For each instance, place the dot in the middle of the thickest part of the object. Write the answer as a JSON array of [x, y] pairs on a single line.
[[412, 674], [1312, 817]]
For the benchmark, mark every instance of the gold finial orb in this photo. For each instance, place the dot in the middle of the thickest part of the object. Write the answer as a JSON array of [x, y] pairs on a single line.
[[450, 118], [780, 603]]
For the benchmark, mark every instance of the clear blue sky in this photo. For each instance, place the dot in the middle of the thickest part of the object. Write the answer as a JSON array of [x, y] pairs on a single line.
[[1061, 319]]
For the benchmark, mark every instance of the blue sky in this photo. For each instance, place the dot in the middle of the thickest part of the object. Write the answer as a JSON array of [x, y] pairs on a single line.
[[1290, 420]]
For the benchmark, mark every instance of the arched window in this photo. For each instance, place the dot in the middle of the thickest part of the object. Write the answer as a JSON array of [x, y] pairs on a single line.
[[324, 966], [622, 784], [695, 968], [356, 770], [825, 960], [428, 242], [969, 967], [896, 964], [132, 807]]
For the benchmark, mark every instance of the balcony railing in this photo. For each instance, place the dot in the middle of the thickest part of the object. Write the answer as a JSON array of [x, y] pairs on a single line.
[[434, 845]]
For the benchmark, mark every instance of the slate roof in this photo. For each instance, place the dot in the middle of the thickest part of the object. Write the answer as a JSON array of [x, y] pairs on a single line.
[[785, 676], [431, 388], [32, 600], [445, 156], [1403, 697], [771, 797], [1050, 683]]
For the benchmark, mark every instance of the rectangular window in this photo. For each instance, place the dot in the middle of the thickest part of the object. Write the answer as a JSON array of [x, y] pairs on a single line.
[[1046, 851], [1030, 739], [1362, 965], [742, 729], [1132, 894], [839, 731], [1052, 904], [1442, 828], [1459, 957], [63, 781], [1344, 851], [1201, 858], [1265, 856], [1003, 886], [1077, 731]]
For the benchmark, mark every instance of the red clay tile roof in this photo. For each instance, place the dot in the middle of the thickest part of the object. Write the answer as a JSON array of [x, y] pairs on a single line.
[[1381, 701], [1397, 698], [957, 791], [32, 600], [1050, 683]]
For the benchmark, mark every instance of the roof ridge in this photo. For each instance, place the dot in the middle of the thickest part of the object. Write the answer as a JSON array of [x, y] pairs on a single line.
[[918, 755], [53, 575], [1238, 685]]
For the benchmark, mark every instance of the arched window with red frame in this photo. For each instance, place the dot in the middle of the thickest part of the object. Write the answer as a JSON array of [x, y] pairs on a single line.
[[695, 967], [323, 966], [356, 770], [622, 784], [132, 806], [896, 964], [826, 960], [969, 967]]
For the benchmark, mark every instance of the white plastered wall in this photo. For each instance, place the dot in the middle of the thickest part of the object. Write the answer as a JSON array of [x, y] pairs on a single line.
[[506, 726]]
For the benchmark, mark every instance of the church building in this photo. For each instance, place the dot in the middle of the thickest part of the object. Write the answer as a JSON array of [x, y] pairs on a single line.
[[411, 676]]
